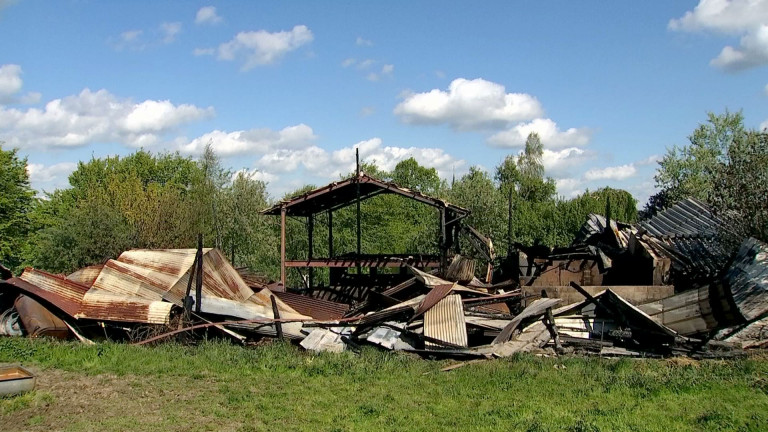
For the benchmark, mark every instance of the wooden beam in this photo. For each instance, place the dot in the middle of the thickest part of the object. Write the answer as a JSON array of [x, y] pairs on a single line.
[[310, 252], [276, 316], [282, 246]]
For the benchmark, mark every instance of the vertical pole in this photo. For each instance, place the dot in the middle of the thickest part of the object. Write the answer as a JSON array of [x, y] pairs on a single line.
[[199, 276], [282, 246], [509, 223], [443, 240], [276, 315], [357, 179], [330, 233], [310, 232]]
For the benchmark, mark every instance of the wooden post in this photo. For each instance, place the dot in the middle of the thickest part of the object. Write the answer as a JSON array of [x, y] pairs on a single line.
[[310, 232], [330, 233], [282, 247], [357, 183], [443, 241], [199, 277], [276, 315]]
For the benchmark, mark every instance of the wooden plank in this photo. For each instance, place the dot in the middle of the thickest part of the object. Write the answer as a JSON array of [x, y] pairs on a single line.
[[537, 308]]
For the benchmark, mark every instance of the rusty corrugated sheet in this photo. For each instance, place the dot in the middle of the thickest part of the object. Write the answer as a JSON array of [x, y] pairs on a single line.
[[106, 306], [66, 294], [445, 322], [437, 293], [124, 278], [313, 307], [86, 276]]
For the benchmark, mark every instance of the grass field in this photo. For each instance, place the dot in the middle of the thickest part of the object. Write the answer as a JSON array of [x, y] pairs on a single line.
[[277, 387]]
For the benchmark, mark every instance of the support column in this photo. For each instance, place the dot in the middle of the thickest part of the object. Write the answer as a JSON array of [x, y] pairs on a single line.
[[310, 232], [330, 233], [282, 247]]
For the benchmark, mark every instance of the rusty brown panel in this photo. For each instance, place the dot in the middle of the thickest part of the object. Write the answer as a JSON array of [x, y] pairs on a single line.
[[65, 305], [445, 322], [66, 294], [313, 307], [171, 261], [433, 297], [101, 305]]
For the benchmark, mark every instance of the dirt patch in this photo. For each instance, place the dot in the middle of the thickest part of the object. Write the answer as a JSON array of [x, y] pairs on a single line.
[[74, 401]]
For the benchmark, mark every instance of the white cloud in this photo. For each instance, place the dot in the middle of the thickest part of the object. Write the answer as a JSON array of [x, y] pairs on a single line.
[[261, 47], [650, 160], [764, 126], [5, 3], [254, 141], [170, 30], [726, 16], [10, 81], [748, 18], [363, 42], [620, 172], [207, 15], [569, 187], [348, 62], [322, 164], [766, 89], [469, 104], [49, 178], [551, 136], [387, 69], [95, 117], [558, 163], [367, 111], [204, 51]]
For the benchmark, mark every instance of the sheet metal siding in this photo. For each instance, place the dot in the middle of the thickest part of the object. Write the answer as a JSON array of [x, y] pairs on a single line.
[[68, 306], [125, 278], [102, 305], [445, 322], [70, 291], [315, 308], [747, 279]]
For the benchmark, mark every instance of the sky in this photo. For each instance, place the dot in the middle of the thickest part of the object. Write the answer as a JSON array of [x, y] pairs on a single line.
[[285, 91]]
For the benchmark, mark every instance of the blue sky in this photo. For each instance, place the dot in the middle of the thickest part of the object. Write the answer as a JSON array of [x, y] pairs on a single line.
[[286, 90]]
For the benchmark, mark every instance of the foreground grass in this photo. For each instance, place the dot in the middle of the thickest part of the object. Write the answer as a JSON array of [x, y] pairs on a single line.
[[217, 386]]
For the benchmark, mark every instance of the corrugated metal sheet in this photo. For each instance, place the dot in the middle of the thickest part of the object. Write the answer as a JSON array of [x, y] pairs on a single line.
[[66, 294], [86, 276], [445, 322], [697, 242], [106, 306], [596, 224], [434, 296], [747, 279], [313, 307]]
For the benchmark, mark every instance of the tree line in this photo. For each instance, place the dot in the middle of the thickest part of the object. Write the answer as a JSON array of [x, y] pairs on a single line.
[[164, 200]]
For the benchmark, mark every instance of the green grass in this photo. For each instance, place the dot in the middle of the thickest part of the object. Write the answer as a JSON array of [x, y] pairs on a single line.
[[218, 386]]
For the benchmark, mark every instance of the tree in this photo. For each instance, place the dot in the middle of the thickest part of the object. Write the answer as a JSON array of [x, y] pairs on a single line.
[[16, 201], [726, 166], [689, 171]]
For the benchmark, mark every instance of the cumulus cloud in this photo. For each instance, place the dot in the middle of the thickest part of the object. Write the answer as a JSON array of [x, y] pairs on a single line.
[[469, 104], [558, 163], [10, 81], [95, 117], [551, 136], [748, 18], [256, 48], [253, 141], [569, 187], [620, 172], [51, 177], [170, 30], [207, 15], [348, 62], [324, 164]]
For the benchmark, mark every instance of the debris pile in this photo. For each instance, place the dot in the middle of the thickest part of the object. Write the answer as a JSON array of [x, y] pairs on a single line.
[[681, 283]]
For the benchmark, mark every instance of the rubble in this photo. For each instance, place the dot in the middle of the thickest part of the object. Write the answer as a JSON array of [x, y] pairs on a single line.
[[672, 285]]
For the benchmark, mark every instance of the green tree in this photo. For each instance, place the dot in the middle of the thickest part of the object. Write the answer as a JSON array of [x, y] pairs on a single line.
[[689, 171], [16, 202]]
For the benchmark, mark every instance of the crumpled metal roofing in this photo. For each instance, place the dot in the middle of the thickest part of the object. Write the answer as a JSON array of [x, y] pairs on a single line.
[[697, 242], [747, 279], [144, 285], [596, 224]]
